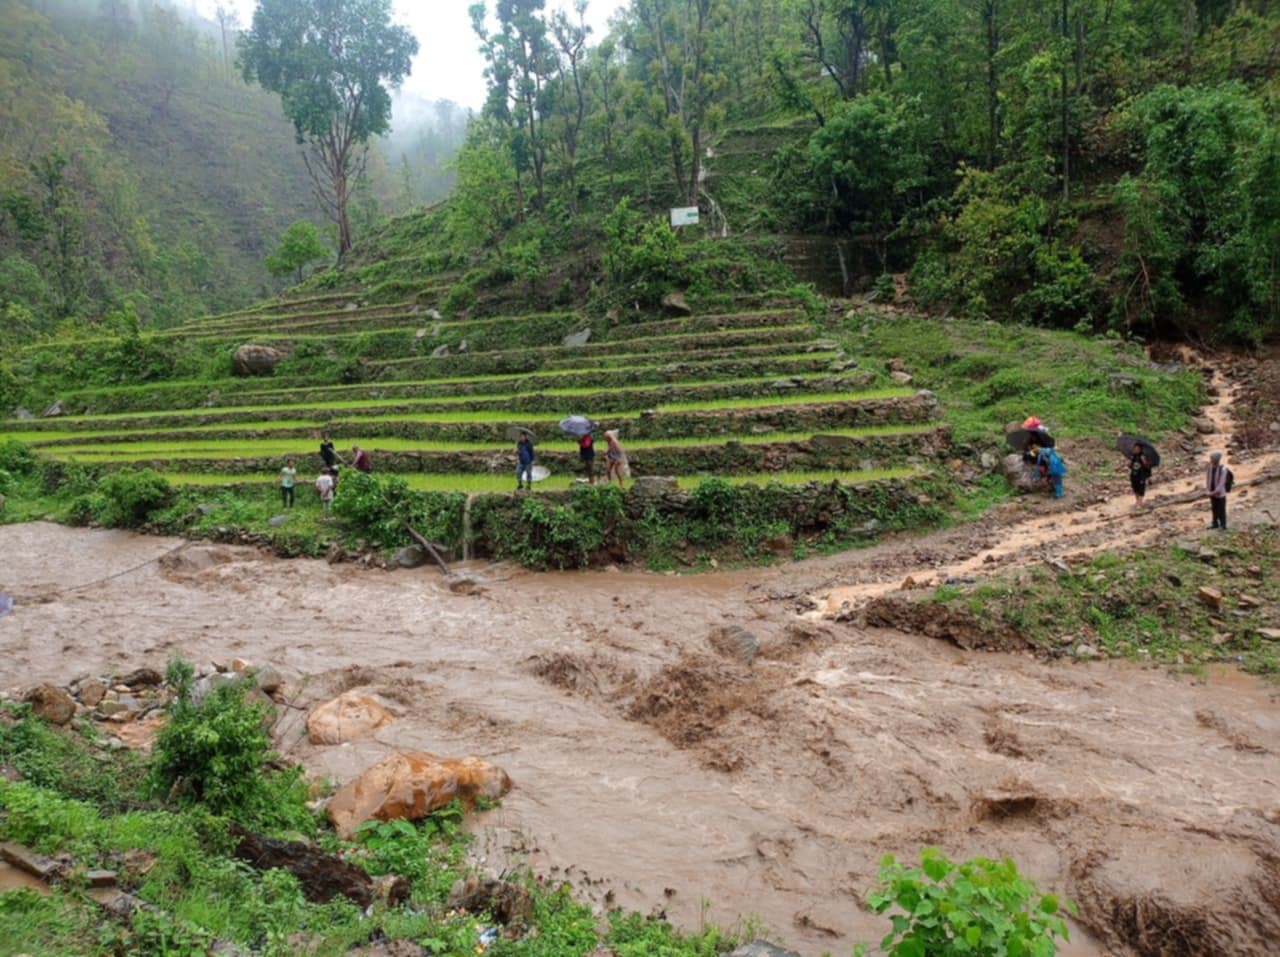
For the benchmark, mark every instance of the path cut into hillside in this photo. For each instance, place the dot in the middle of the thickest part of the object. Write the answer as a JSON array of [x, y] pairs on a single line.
[[660, 765]]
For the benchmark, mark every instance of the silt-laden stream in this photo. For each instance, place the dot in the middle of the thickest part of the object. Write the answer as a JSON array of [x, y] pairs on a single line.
[[657, 774]]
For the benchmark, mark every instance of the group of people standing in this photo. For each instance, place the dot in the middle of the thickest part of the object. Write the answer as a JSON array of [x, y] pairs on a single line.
[[1218, 481], [1141, 459], [326, 483], [616, 466]]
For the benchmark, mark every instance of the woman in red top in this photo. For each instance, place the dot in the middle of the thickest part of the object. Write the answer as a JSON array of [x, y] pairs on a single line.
[[587, 453]]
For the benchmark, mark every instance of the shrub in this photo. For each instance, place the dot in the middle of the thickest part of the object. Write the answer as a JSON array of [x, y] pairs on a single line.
[[378, 507], [980, 908], [641, 255], [562, 536], [214, 752], [126, 498], [17, 458]]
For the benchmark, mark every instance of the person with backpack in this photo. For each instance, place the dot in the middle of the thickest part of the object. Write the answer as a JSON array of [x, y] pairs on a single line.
[[1052, 468], [1217, 483]]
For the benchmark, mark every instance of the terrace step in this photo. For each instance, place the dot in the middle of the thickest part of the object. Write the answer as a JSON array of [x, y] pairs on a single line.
[[402, 317], [706, 323], [718, 397], [875, 450], [295, 390], [559, 358], [724, 422], [767, 390]]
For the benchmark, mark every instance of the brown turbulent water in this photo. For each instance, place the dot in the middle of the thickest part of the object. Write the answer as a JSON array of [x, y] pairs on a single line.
[[659, 775]]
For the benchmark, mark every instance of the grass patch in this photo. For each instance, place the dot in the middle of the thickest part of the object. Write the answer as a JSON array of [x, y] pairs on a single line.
[[178, 856], [119, 449], [495, 483], [1148, 604], [986, 376]]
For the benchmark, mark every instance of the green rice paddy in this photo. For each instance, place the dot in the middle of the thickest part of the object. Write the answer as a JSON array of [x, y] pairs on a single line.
[[497, 482], [256, 448], [315, 416]]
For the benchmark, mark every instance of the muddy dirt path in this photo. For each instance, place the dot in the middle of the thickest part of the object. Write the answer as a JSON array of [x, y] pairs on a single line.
[[656, 774]]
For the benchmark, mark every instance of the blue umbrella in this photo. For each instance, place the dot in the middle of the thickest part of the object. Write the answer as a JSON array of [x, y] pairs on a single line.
[[577, 425]]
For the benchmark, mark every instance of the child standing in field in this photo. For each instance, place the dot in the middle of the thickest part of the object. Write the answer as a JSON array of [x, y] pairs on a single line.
[[287, 478], [324, 488], [524, 455], [1052, 468]]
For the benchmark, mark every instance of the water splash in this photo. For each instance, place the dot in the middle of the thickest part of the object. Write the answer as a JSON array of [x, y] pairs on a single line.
[[466, 527]]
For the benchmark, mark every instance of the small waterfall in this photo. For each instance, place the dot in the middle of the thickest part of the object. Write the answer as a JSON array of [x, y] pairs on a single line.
[[466, 528], [718, 223]]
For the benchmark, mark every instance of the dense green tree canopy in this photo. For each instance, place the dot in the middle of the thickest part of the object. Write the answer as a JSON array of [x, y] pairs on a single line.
[[331, 62]]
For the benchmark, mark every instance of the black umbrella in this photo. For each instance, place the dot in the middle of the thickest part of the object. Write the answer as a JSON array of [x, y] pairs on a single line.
[[1125, 444], [513, 432], [1020, 438]]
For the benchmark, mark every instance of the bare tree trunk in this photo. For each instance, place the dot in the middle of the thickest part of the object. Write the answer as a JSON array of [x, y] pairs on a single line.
[[1066, 109], [990, 17]]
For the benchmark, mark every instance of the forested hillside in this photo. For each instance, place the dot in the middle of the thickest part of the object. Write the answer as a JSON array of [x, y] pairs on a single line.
[[1093, 163], [137, 168], [1100, 164]]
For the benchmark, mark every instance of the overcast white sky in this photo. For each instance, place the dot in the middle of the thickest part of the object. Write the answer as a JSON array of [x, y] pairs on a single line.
[[448, 66]]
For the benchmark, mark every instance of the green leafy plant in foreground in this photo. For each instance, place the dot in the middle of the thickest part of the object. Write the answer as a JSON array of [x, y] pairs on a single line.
[[980, 907], [214, 751]]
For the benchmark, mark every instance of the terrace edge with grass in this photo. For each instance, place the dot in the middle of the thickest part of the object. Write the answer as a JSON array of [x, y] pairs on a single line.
[[1180, 605]]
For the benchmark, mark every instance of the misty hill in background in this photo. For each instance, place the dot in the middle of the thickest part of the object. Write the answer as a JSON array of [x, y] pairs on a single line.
[[137, 167]]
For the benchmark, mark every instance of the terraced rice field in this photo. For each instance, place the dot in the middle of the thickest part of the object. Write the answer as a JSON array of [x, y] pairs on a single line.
[[752, 396]]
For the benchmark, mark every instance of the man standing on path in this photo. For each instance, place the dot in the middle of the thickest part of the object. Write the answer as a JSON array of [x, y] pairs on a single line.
[[1215, 483]]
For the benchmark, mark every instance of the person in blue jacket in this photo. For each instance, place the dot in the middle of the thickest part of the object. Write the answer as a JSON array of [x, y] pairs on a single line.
[[524, 470], [1052, 468]]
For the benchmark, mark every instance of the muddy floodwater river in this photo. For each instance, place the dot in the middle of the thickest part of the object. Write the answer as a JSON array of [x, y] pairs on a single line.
[[658, 773]]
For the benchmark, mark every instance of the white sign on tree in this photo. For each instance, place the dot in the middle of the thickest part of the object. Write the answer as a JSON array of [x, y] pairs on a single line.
[[684, 216]]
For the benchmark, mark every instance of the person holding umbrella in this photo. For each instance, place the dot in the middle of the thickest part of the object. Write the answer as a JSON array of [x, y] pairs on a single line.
[[1143, 457], [582, 427], [587, 453], [524, 456]]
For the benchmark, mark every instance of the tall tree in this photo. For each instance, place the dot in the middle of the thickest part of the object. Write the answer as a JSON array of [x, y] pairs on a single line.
[[670, 41], [569, 103], [329, 60], [522, 58], [228, 24]]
